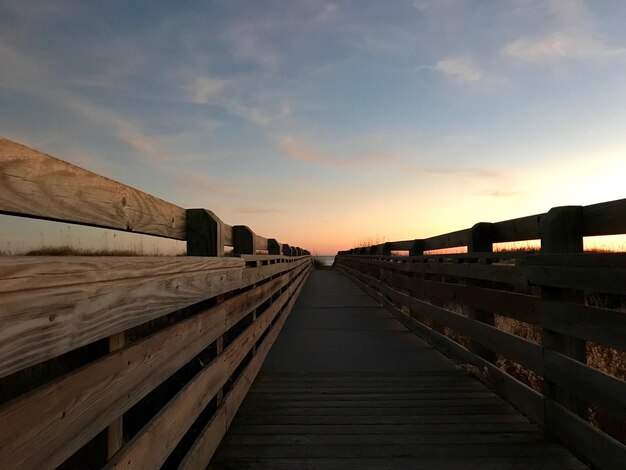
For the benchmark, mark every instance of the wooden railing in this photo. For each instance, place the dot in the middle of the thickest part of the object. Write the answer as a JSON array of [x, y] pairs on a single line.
[[533, 326], [129, 361]]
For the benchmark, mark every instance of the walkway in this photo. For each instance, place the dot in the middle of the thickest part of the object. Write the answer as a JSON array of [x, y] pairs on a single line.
[[347, 386]]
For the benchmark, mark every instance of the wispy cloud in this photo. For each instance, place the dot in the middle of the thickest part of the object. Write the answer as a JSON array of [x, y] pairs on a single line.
[[34, 77], [206, 90], [573, 37], [462, 69], [297, 150]]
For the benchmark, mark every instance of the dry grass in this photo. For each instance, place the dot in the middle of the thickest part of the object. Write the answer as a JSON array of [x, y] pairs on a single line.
[[71, 251]]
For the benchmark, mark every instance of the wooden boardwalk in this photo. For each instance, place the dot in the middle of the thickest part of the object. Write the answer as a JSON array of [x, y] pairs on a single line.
[[347, 386]]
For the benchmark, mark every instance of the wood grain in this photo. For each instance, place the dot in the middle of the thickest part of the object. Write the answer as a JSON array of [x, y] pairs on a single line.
[[152, 445], [205, 445], [51, 305], [60, 417], [34, 184]]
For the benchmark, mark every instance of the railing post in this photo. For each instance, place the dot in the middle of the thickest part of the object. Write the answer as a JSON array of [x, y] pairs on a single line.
[[481, 241], [417, 248], [273, 247], [562, 231], [204, 233], [243, 240]]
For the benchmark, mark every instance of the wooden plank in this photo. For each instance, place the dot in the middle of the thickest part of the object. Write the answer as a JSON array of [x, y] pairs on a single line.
[[518, 349], [33, 184], [414, 462], [523, 397], [51, 305], [258, 274], [578, 260], [606, 218], [243, 240], [57, 419], [588, 443], [381, 429], [607, 280], [22, 273], [521, 229], [205, 445], [115, 431], [156, 440], [607, 392], [448, 240], [600, 325], [521, 307], [337, 440], [507, 274], [260, 243], [204, 233]]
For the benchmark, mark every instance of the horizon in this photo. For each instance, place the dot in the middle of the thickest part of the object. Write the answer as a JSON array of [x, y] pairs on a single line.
[[324, 124]]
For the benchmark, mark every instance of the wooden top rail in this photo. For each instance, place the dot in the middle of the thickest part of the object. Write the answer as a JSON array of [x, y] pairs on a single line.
[[36, 185], [607, 218], [570, 302]]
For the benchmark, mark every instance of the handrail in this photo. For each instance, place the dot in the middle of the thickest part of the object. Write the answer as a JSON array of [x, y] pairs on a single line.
[[525, 320], [126, 361], [36, 185], [607, 218]]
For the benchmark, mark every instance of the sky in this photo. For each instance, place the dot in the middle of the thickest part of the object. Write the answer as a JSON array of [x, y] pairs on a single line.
[[327, 124]]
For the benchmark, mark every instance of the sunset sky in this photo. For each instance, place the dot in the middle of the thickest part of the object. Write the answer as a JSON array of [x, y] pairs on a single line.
[[325, 124]]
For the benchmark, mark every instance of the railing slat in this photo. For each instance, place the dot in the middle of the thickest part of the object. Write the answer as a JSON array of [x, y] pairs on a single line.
[[33, 184]]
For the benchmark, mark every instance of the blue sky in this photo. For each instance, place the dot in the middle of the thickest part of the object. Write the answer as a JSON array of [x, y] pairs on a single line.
[[324, 124]]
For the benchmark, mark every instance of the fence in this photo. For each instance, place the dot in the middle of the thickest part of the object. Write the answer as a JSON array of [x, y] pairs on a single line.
[[129, 361], [523, 322]]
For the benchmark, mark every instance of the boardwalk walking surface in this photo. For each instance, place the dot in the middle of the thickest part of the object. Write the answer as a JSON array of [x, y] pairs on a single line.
[[347, 386]]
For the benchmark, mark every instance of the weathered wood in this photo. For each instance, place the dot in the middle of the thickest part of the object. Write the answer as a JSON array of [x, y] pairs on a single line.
[[606, 218], [51, 305], [273, 247], [481, 241], [600, 325], [152, 445], [602, 279], [33, 184], [523, 397], [562, 232], [253, 275], [64, 415], [205, 445], [587, 442], [115, 431], [507, 274], [514, 230], [520, 307], [520, 350], [243, 240], [590, 384], [448, 240], [204, 233], [260, 243]]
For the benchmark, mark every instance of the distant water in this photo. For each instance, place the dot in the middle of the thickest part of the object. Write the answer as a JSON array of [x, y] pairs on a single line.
[[327, 260]]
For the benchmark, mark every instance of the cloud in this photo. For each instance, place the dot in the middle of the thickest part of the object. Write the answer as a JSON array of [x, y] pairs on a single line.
[[461, 69], [561, 46], [573, 37], [34, 77], [205, 90]]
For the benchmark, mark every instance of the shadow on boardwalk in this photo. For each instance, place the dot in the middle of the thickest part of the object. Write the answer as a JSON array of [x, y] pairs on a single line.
[[347, 386]]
